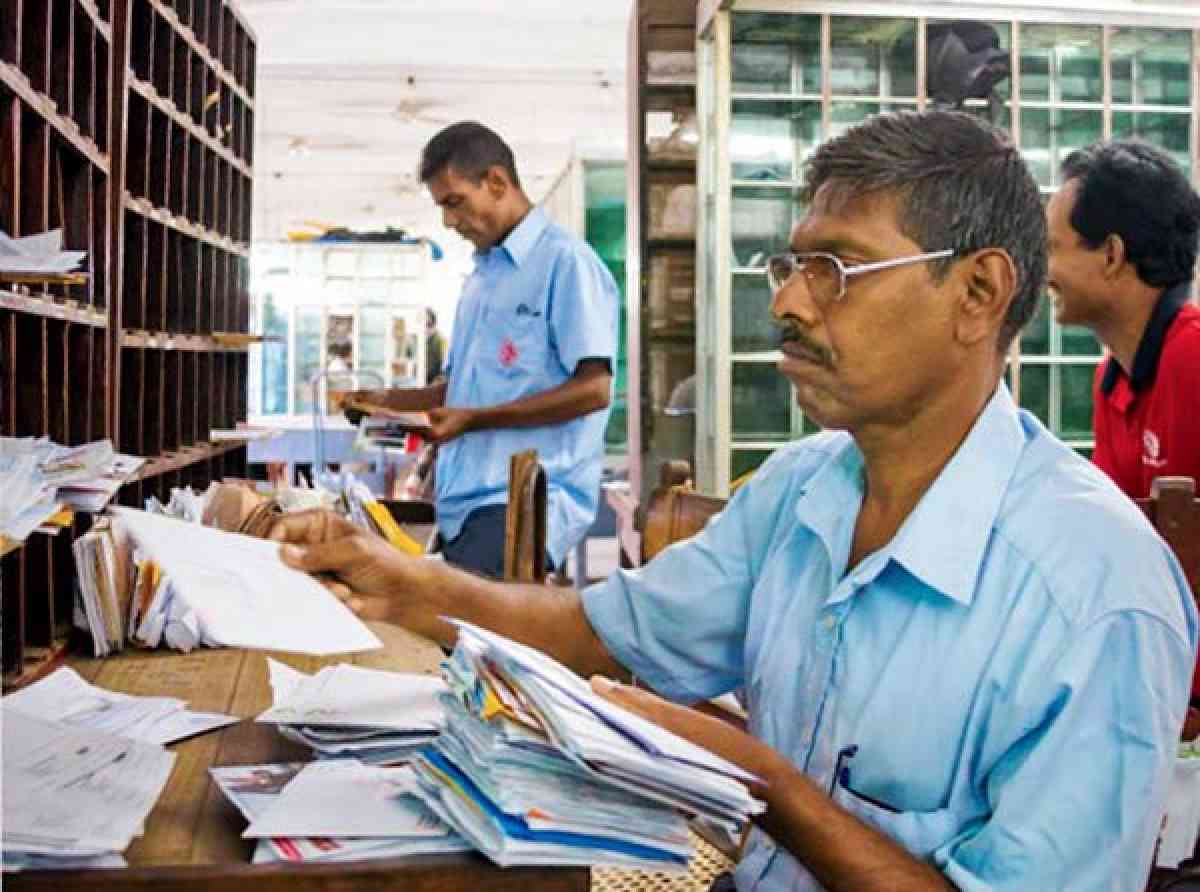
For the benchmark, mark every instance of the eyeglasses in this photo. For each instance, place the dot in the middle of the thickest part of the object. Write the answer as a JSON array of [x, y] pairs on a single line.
[[825, 275]]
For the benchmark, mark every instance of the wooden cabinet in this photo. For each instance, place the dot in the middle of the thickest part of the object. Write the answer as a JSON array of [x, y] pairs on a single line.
[[129, 124]]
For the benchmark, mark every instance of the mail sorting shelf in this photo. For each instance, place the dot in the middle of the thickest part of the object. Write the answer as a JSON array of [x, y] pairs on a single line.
[[55, 60], [166, 90]]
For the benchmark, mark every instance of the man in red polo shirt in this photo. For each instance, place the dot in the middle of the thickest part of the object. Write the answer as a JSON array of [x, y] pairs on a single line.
[[1123, 234]]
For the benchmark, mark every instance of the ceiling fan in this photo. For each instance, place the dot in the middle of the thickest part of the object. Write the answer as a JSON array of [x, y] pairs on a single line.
[[307, 145], [410, 108]]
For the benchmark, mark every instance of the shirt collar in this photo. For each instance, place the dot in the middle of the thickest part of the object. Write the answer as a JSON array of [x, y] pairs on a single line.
[[1145, 360], [942, 542], [524, 236]]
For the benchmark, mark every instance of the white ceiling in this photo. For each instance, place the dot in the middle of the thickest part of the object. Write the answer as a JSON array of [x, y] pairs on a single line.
[[332, 146]]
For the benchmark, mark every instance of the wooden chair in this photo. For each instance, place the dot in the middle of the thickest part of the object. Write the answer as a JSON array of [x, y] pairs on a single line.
[[525, 522], [674, 512], [1175, 512]]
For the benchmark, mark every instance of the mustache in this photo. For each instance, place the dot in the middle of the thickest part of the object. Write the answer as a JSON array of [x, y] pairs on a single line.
[[788, 332]]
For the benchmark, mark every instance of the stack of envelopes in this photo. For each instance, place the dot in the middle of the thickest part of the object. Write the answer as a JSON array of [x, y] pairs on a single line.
[[534, 768], [333, 811], [347, 711]]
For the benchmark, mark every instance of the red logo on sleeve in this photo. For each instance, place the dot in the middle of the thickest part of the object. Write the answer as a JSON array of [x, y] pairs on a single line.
[[508, 353]]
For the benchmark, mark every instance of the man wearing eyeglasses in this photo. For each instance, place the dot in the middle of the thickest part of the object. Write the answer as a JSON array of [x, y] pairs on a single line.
[[964, 653]]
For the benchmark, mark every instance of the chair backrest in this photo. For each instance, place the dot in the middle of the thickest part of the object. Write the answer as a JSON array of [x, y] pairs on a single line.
[[1175, 512], [674, 512], [525, 521]]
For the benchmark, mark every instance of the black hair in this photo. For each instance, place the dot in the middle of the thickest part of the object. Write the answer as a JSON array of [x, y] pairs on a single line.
[[1135, 190], [961, 184], [471, 149]]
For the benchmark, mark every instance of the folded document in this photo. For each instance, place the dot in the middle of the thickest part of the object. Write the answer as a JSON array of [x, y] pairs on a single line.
[[233, 590]]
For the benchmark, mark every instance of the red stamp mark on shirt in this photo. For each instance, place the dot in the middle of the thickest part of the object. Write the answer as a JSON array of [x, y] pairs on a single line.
[[508, 353]]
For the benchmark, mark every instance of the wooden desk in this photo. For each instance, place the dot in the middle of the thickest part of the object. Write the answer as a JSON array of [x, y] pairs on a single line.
[[193, 837]]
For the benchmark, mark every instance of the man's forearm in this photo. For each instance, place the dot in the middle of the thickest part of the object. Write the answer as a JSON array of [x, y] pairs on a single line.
[[842, 852], [408, 399], [549, 619], [572, 399]]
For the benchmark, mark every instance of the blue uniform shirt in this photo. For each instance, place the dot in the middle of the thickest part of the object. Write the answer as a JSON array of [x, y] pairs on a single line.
[[535, 305], [1013, 667]]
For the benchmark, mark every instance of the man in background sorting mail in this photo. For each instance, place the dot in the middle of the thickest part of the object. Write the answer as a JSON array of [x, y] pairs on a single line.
[[965, 655], [531, 360]]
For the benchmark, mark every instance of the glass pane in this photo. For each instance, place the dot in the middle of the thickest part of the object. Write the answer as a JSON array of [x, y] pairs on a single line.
[[762, 223], [1035, 338], [873, 56], [671, 295], [1061, 63], [1167, 130], [1048, 135], [761, 402], [743, 461], [752, 328], [769, 140], [1035, 390], [372, 340], [308, 355], [1151, 66], [844, 115], [1079, 341], [1075, 385], [274, 395], [774, 53], [948, 42]]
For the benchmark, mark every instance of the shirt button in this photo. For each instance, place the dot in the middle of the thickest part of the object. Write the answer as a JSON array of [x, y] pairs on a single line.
[[830, 621]]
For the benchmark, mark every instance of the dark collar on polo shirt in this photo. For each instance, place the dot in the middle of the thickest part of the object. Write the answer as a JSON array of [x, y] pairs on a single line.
[[1145, 361]]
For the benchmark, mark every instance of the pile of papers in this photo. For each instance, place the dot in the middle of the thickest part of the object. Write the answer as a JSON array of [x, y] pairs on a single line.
[[334, 811], [27, 499], [66, 698], [359, 505], [346, 711], [39, 478], [74, 796], [197, 585], [534, 768], [38, 254]]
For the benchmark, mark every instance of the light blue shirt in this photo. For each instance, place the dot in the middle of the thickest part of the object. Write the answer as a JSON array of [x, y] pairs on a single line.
[[1014, 666], [534, 306]]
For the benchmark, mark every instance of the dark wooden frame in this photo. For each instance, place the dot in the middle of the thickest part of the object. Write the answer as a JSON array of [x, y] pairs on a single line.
[[106, 129]]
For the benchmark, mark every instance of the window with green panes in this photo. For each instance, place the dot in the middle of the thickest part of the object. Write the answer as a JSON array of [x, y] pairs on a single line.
[[781, 83]]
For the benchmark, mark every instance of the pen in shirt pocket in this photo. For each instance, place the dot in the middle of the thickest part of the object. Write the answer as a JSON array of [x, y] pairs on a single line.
[[841, 775]]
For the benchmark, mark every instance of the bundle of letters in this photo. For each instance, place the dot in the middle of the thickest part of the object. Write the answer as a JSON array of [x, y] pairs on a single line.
[[359, 505], [347, 711], [334, 811], [74, 796], [39, 479], [535, 769], [151, 579]]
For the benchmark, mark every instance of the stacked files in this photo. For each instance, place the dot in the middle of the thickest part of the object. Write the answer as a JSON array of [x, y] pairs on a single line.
[[27, 499], [104, 571], [38, 478], [73, 795], [333, 811], [534, 768], [348, 712], [194, 585], [65, 698]]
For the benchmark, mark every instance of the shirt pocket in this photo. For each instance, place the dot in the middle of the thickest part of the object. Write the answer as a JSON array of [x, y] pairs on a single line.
[[920, 832], [514, 344]]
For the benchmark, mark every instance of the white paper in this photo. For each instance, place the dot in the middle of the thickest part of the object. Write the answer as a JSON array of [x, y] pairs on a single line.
[[345, 798], [41, 253], [64, 697], [242, 593], [351, 696], [75, 792], [1181, 824]]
